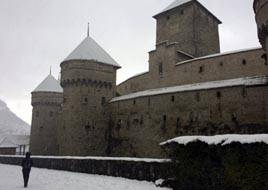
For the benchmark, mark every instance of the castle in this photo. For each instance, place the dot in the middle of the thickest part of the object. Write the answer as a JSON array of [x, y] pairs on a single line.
[[190, 89]]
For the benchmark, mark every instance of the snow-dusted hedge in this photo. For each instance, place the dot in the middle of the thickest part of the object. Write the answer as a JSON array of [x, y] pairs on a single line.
[[222, 162], [132, 168]]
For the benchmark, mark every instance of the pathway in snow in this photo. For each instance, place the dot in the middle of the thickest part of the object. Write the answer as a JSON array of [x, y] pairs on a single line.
[[44, 179]]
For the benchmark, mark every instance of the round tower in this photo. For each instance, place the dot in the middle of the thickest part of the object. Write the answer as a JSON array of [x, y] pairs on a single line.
[[88, 77], [261, 15], [46, 102]]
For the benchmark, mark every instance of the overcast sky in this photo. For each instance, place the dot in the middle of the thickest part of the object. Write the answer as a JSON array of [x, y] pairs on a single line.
[[37, 34]]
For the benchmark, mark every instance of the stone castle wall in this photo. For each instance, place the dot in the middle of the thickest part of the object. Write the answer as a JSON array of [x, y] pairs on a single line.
[[87, 88], [261, 9], [219, 67], [45, 123], [139, 125]]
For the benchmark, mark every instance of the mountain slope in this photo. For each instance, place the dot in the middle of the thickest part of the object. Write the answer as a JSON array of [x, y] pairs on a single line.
[[10, 123]]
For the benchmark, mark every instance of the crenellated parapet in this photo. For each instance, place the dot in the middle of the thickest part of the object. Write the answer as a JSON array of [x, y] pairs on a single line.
[[86, 82], [47, 98], [261, 15]]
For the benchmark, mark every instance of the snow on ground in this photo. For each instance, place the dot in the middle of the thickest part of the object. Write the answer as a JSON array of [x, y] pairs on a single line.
[[44, 179], [220, 139]]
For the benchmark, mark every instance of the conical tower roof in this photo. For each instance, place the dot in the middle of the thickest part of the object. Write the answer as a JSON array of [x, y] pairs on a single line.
[[50, 84], [89, 49]]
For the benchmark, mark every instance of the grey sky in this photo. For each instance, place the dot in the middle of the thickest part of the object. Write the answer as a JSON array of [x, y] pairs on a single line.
[[38, 33]]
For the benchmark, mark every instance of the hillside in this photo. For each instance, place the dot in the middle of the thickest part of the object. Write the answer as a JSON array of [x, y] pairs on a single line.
[[10, 123]]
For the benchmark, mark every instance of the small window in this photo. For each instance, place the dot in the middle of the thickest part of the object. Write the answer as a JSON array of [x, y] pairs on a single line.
[[87, 127], [218, 95], [51, 114], [264, 56], [160, 69], [244, 62], [221, 63], [103, 100], [85, 100], [37, 113], [182, 12], [168, 17], [201, 69], [172, 98], [119, 124], [163, 125], [134, 102]]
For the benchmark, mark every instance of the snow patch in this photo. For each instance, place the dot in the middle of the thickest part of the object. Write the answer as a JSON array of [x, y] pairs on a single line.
[[220, 139]]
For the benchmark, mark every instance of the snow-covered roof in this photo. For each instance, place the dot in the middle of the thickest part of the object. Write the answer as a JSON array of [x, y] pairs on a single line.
[[220, 139], [219, 54], [247, 81], [50, 84], [89, 49], [176, 3], [13, 141], [7, 143]]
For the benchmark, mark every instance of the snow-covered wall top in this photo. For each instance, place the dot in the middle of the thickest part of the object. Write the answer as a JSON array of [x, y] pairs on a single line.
[[98, 158], [220, 139], [247, 81]]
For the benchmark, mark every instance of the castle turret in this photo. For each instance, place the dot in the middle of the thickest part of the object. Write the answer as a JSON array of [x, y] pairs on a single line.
[[261, 11], [191, 25], [46, 102], [88, 77]]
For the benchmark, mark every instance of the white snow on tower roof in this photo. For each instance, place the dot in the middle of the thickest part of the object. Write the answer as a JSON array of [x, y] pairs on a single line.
[[89, 49], [176, 3], [50, 84], [247, 81], [220, 139]]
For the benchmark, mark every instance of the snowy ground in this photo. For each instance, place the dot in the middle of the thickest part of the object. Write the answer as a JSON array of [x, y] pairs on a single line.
[[44, 179]]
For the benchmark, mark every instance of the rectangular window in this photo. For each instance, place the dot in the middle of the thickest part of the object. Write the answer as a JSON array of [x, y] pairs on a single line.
[[172, 98], [160, 69], [164, 123], [103, 100], [201, 69], [218, 95]]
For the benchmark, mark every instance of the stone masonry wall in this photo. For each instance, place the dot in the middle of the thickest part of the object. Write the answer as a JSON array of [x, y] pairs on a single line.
[[138, 125], [88, 86], [221, 67], [45, 123]]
